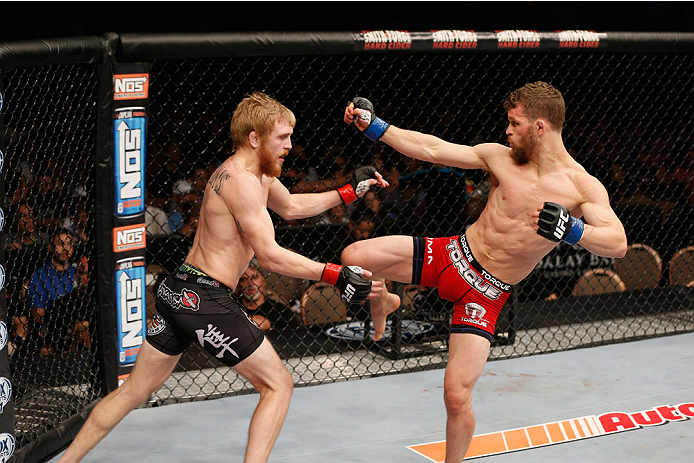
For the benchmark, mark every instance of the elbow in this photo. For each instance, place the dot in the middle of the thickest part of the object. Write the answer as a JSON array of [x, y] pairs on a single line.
[[622, 251], [292, 212], [621, 247], [270, 258], [267, 261]]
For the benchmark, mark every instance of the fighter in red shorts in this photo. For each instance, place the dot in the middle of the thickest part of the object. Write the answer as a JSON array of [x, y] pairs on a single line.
[[538, 195], [448, 264]]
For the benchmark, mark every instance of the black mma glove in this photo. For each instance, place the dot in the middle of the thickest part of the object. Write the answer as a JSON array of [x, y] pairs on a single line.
[[377, 127], [358, 185], [353, 288], [556, 224]]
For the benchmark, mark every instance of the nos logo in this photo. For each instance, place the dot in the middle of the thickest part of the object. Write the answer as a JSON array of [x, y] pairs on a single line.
[[129, 237], [130, 86], [129, 131], [131, 310]]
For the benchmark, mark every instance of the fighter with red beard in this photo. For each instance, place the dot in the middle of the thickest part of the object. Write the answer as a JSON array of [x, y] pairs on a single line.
[[538, 194], [194, 304]]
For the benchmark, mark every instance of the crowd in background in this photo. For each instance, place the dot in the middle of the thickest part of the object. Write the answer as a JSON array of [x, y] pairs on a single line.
[[45, 198], [47, 254]]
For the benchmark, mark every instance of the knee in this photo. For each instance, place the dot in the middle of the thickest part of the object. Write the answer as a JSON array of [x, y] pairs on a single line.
[[351, 255], [282, 384], [458, 400], [287, 384]]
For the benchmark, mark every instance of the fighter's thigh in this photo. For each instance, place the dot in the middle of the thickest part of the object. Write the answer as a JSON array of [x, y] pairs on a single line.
[[388, 257], [151, 369], [466, 359], [264, 368]]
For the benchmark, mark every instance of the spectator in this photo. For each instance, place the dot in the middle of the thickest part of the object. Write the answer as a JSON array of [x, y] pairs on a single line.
[[76, 222], [186, 202], [390, 196], [252, 294], [170, 166], [362, 226], [23, 232], [298, 167], [336, 215], [48, 304], [335, 176], [22, 191], [371, 204], [47, 200], [190, 224], [156, 219], [179, 205], [198, 181], [25, 249]]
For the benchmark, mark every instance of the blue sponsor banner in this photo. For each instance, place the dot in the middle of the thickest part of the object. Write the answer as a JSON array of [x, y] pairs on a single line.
[[129, 127], [131, 325]]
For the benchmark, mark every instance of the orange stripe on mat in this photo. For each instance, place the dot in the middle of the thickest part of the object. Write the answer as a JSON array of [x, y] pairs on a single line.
[[555, 432], [517, 439], [538, 435]]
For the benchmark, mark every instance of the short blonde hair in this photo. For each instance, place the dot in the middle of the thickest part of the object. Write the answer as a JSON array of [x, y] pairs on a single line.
[[540, 100], [260, 113]]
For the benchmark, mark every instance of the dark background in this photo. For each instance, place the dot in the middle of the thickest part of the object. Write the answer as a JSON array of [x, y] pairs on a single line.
[[23, 20]]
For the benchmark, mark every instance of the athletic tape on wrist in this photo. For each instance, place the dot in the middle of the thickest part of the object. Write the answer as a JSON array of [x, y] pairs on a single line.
[[576, 232], [376, 130], [331, 272]]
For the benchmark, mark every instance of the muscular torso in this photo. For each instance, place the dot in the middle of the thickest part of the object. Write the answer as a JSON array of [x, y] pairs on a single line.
[[219, 248], [504, 239]]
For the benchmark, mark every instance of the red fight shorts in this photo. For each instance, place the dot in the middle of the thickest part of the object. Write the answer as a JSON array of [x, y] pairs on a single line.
[[478, 296]]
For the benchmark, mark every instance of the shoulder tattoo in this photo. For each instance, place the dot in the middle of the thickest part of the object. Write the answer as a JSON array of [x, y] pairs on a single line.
[[240, 227], [218, 178]]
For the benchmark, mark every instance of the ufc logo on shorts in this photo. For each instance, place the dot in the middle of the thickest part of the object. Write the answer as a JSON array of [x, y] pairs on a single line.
[[561, 225], [349, 292]]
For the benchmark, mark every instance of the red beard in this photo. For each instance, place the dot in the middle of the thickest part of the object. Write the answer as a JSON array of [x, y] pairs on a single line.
[[268, 163], [520, 155]]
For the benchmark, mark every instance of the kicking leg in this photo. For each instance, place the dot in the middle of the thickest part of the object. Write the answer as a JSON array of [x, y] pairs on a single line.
[[268, 375], [467, 356], [151, 369], [387, 257]]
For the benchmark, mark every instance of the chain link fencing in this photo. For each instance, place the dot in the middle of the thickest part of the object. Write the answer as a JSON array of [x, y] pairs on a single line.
[[50, 244], [629, 123]]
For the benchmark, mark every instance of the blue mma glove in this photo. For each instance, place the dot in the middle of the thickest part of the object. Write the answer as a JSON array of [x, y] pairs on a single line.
[[556, 224], [377, 127]]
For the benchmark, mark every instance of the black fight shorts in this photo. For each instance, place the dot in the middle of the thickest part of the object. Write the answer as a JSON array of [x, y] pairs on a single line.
[[191, 306]]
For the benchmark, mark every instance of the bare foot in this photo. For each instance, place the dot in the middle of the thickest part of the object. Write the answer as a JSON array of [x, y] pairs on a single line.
[[381, 307]]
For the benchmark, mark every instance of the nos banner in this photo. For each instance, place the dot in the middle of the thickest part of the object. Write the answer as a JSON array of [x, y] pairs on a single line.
[[130, 114]]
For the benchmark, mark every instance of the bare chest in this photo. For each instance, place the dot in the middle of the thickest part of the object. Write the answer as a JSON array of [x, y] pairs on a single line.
[[518, 196]]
